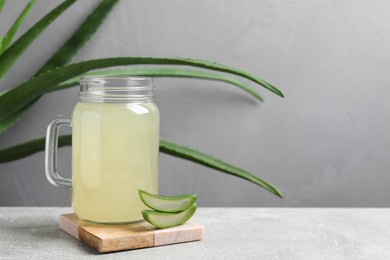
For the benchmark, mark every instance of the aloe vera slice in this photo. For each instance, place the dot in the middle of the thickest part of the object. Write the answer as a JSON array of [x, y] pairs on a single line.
[[166, 220], [165, 203]]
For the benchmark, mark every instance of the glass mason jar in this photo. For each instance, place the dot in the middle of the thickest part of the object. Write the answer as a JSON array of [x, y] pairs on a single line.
[[115, 145]]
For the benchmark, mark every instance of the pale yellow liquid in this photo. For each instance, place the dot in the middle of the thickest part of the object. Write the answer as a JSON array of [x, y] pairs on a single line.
[[114, 153]]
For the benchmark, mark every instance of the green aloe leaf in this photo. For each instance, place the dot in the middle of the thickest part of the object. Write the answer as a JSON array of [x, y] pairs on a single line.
[[214, 163], [2, 2], [167, 220], [80, 37], [26, 149], [151, 72], [19, 96], [169, 204], [162, 72], [12, 53], [67, 51], [13, 118], [14, 28]]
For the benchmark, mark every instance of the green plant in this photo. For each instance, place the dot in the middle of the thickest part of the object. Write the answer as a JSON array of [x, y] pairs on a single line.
[[167, 204], [57, 74], [167, 211]]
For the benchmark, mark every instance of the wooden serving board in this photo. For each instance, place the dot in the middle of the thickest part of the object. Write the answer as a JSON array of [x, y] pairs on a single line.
[[111, 238]]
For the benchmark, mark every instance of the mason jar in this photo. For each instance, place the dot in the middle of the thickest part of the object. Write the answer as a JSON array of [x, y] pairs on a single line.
[[115, 145]]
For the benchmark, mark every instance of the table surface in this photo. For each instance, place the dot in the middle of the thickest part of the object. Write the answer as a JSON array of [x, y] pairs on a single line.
[[230, 233]]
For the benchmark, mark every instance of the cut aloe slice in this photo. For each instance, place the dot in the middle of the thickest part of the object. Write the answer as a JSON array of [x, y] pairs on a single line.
[[166, 220], [165, 203]]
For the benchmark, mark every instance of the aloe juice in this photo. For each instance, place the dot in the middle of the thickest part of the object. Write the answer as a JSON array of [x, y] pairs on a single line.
[[114, 153]]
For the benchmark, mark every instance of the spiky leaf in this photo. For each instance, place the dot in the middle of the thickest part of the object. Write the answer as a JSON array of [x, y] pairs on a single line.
[[12, 53], [19, 96], [211, 162], [2, 2], [163, 72], [80, 37], [14, 28], [67, 51], [26, 149]]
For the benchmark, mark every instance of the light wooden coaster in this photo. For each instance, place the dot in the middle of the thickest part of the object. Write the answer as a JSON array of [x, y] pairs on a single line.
[[107, 238]]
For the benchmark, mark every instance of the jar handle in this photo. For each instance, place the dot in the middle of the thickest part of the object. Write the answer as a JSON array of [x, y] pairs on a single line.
[[51, 152]]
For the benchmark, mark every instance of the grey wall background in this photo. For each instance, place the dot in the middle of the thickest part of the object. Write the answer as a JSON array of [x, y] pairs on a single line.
[[326, 144]]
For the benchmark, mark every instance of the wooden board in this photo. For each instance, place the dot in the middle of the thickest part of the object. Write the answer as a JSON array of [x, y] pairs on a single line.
[[111, 238]]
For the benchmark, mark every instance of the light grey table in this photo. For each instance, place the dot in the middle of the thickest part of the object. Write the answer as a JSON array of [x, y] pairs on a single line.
[[230, 233]]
